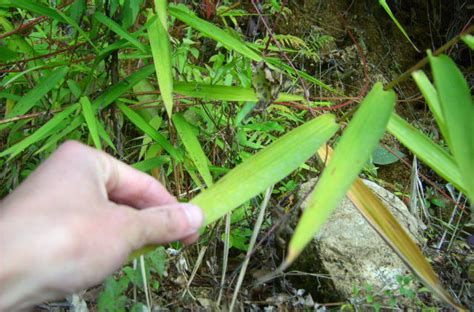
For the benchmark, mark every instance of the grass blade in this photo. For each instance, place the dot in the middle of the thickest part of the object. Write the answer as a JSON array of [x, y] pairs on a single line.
[[116, 28], [265, 168], [430, 153], [225, 93], [28, 101], [215, 33], [151, 163], [161, 51], [387, 9], [352, 152], [47, 129], [458, 111], [141, 124], [113, 93], [91, 121], [431, 96], [193, 147], [33, 7]]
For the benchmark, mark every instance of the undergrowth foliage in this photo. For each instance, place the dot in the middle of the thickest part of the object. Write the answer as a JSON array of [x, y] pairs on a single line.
[[178, 95]]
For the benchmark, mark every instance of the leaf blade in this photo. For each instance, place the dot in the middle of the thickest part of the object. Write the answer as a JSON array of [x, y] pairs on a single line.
[[352, 152], [161, 51]]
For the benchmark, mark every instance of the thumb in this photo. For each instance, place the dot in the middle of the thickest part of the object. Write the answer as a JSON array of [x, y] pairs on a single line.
[[168, 223]]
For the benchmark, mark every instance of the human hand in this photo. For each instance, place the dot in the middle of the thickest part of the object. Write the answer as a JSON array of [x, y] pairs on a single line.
[[75, 220]]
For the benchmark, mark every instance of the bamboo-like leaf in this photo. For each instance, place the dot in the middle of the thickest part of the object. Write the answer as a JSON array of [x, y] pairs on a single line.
[[431, 96], [28, 101], [105, 136], [91, 121], [45, 130], [430, 153], [387, 9], [32, 6], [116, 28], [161, 51], [193, 147], [382, 220], [265, 168], [215, 33], [151, 163], [469, 40], [113, 93], [225, 93], [138, 121], [352, 152], [458, 112], [55, 138]]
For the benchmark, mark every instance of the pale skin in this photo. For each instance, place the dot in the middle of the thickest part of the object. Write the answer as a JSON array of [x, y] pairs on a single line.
[[75, 220]]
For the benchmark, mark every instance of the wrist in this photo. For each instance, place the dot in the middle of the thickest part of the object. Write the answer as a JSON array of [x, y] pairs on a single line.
[[16, 291]]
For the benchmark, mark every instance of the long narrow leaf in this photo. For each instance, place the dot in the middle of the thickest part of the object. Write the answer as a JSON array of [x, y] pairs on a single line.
[[352, 152], [138, 121], [91, 121], [215, 33], [45, 85], [458, 111], [45, 130], [265, 168], [116, 28], [193, 147], [113, 93], [33, 6], [387, 9], [431, 96], [430, 153], [225, 93], [161, 51]]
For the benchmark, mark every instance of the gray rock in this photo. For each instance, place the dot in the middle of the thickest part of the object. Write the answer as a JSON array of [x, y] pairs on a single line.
[[352, 252]]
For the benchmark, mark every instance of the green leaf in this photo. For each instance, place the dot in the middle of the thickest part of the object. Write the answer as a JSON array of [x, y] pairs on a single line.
[[431, 96], [116, 28], [426, 150], [265, 168], [138, 121], [225, 93], [33, 6], [91, 121], [215, 33], [469, 40], [45, 130], [161, 50], [382, 156], [6, 54], [113, 93], [351, 154], [387, 9], [45, 85], [193, 147], [458, 112], [151, 163]]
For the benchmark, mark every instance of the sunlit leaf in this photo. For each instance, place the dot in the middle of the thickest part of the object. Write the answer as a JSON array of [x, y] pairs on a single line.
[[161, 50], [458, 112], [352, 152]]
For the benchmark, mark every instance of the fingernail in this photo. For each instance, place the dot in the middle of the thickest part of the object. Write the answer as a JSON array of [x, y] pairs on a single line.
[[194, 215]]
